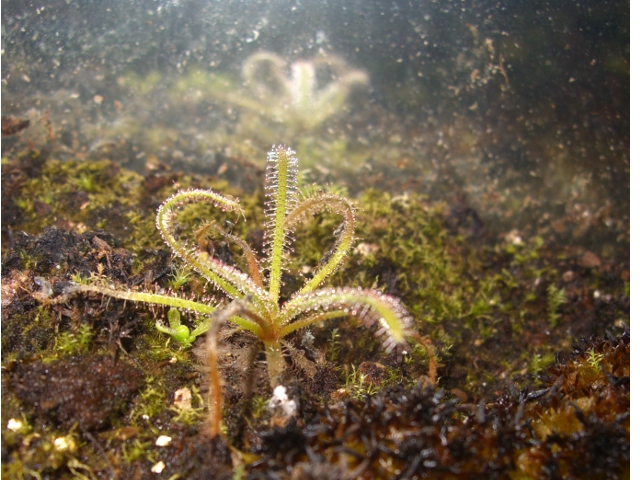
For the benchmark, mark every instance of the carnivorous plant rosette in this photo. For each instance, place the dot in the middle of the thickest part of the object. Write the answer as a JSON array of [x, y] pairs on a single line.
[[257, 291]]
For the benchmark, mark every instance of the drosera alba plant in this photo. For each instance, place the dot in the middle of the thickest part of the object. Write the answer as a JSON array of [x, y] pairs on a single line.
[[295, 94], [257, 306]]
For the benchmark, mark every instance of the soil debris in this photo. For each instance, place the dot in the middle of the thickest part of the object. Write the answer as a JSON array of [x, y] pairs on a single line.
[[82, 391]]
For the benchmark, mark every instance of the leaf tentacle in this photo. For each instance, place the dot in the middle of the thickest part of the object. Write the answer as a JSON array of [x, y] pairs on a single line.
[[333, 204], [234, 282], [281, 190], [370, 306]]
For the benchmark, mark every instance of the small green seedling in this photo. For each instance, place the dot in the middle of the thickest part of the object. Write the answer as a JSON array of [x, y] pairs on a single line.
[[181, 333]]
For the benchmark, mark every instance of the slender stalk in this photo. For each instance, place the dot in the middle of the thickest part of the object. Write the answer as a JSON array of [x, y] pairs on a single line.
[[306, 321], [222, 277], [275, 360], [152, 298], [177, 302], [247, 252], [231, 280], [254, 80], [281, 191], [332, 204], [369, 306], [215, 386], [302, 86]]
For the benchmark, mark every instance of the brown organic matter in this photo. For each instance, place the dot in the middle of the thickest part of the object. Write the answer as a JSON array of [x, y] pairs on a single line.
[[82, 391]]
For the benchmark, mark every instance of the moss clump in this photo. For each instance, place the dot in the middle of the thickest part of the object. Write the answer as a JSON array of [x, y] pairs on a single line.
[[39, 192]]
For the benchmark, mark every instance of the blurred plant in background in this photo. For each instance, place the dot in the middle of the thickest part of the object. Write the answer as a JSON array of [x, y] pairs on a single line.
[[300, 96]]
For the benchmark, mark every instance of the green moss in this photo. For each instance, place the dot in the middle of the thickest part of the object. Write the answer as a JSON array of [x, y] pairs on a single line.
[[538, 363], [137, 449], [358, 386], [193, 416], [150, 402], [555, 299], [74, 342], [28, 333], [94, 195], [179, 278]]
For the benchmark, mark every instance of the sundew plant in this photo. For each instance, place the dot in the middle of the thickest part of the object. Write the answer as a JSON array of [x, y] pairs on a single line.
[[256, 291]]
